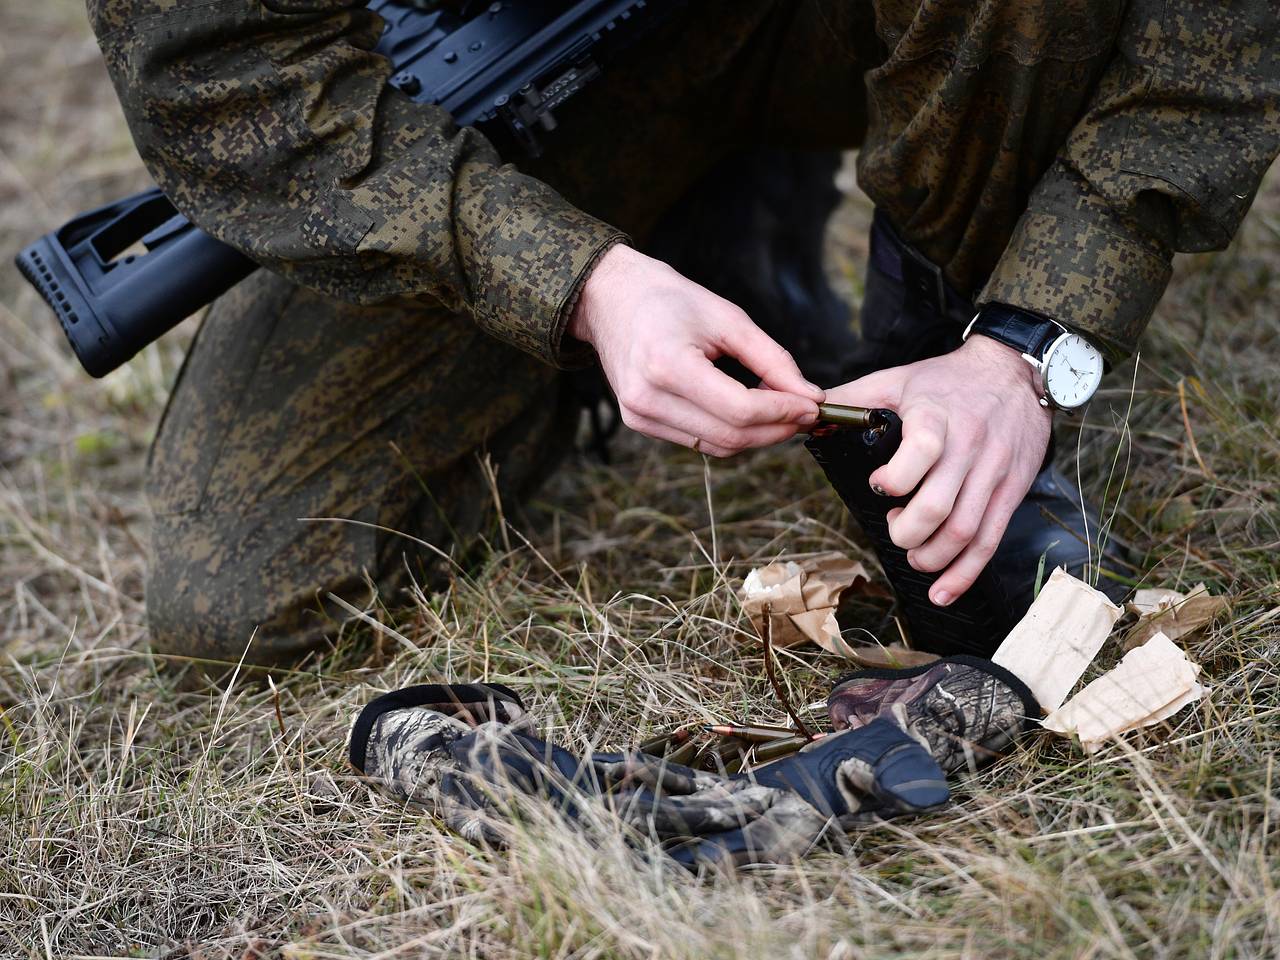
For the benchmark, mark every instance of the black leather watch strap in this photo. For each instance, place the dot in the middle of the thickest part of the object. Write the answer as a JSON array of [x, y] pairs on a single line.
[[1026, 332]]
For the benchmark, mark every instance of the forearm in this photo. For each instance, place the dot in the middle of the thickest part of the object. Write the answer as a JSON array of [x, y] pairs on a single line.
[[1167, 158], [1071, 258], [272, 128]]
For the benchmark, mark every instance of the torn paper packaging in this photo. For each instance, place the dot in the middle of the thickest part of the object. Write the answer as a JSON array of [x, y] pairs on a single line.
[[776, 588], [1174, 614], [1051, 647], [1151, 683], [800, 598]]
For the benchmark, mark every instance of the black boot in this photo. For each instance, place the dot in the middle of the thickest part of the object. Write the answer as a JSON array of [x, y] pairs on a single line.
[[908, 314], [1050, 521]]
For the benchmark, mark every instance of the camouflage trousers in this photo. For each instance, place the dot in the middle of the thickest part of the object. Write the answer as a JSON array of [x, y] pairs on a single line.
[[305, 434]]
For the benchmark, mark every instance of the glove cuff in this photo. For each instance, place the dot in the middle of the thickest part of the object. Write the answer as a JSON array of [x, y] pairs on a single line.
[[481, 701], [1032, 708]]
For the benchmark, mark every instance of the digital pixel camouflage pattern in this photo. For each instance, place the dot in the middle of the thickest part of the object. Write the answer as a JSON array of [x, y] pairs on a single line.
[[313, 446], [967, 711], [1049, 154], [1069, 145], [468, 754]]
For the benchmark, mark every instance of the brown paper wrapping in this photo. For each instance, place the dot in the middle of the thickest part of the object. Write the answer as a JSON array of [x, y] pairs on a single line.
[[1172, 613], [1053, 644], [1151, 683], [801, 597]]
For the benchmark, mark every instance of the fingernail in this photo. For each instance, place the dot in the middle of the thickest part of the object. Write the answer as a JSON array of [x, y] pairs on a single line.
[[809, 418], [879, 490], [941, 598], [815, 388]]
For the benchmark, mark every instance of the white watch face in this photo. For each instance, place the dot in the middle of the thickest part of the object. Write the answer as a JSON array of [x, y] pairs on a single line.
[[1072, 371]]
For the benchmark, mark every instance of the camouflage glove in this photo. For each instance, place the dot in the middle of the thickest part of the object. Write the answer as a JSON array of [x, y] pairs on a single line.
[[872, 772], [967, 711], [467, 751]]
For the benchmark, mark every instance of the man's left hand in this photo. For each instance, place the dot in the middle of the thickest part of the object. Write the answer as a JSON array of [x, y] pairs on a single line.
[[973, 437]]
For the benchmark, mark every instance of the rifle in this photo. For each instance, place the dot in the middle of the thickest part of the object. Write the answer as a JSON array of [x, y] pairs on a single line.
[[504, 70]]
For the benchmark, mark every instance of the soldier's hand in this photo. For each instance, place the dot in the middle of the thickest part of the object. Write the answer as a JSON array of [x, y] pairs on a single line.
[[657, 333], [973, 438]]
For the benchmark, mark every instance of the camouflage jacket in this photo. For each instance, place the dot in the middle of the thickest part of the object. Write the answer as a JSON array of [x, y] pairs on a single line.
[[1048, 154]]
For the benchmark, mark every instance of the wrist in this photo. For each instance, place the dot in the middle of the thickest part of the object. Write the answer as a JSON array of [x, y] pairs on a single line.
[[599, 288], [1002, 364], [1068, 367]]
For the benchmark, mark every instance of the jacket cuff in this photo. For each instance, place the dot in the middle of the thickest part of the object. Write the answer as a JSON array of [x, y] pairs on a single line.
[[1087, 278], [536, 261]]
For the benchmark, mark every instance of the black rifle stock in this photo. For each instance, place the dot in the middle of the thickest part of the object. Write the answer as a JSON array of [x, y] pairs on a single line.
[[848, 456], [123, 275], [111, 306]]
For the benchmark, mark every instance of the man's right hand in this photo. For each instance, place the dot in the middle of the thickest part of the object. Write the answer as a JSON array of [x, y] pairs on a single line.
[[657, 335]]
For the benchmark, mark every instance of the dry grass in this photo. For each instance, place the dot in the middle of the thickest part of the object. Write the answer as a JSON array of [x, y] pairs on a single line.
[[141, 819]]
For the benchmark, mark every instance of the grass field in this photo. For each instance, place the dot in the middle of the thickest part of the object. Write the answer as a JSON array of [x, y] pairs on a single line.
[[141, 818]]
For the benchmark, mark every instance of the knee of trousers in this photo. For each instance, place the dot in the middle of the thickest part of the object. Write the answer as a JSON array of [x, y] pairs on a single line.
[[224, 589]]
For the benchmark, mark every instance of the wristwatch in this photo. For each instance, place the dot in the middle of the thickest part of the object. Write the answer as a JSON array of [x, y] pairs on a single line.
[[1070, 367]]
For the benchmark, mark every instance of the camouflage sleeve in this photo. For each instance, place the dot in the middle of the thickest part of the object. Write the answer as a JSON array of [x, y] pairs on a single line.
[[1166, 158], [269, 123]]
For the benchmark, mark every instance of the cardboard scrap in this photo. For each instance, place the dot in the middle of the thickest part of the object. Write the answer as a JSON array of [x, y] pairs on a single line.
[[1151, 683], [1172, 613], [801, 597], [1052, 645]]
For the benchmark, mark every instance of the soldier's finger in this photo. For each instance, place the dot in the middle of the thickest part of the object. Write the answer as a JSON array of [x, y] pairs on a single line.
[[701, 384], [880, 389], [679, 421], [766, 358], [711, 425], [932, 505], [924, 438], [964, 570], [964, 520], [684, 438]]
